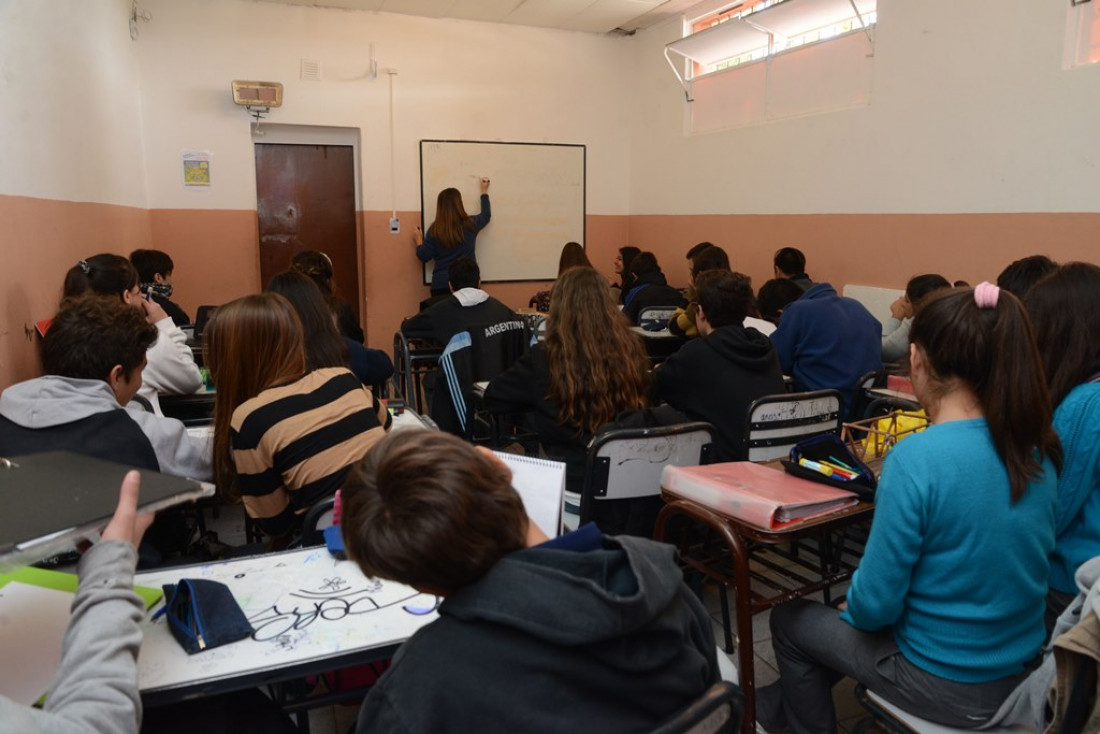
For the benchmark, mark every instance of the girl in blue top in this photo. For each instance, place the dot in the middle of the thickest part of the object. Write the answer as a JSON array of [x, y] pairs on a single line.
[[1065, 308], [944, 616], [452, 234]]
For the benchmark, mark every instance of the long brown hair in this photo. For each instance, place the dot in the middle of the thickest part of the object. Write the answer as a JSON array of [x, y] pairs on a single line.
[[250, 344], [992, 351], [598, 367], [323, 343], [572, 256], [1065, 309], [451, 219]]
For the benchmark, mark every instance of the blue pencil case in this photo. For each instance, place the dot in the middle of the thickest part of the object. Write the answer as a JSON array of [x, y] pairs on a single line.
[[203, 614], [829, 448]]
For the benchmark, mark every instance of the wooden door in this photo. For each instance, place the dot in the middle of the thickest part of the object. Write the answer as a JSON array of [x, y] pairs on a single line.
[[306, 201]]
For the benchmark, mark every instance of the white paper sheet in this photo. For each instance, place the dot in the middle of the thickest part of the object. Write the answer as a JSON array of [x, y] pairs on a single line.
[[32, 623]]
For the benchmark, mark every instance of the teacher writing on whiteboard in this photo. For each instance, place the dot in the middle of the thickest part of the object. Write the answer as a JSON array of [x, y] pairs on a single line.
[[452, 235]]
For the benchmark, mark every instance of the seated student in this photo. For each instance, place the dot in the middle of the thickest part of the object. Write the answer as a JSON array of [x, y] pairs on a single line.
[[588, 369], [325, 347], [1018, 277], [649, 289], [775, 296], [155, 278], [584, 631], [895, 332], [284, 437], [572, 256], [623, 258], [790, 264], [467, 307], [702, 257], [93, 354], [944, 616], [95, 688], [318, 266], [826, 341], [1065, 312], [171, 367], [717, 377]]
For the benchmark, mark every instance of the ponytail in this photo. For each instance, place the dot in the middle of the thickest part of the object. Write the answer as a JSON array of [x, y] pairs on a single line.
[[104, 275], [982, 337]]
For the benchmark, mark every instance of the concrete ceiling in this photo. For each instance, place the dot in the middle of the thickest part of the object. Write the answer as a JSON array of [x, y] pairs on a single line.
[[591, 16]]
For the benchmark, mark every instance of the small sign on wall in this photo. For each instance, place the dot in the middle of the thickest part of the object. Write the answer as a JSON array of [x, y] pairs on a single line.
[[196, 167]]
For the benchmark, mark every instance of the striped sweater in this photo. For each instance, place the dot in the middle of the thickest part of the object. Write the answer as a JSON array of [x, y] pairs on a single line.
[[292, 444]]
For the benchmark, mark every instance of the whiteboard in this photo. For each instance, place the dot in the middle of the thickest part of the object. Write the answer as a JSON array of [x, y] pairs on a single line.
[[536, 194]]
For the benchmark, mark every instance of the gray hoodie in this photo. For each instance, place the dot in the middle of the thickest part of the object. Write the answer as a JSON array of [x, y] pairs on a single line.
[[51, 401]]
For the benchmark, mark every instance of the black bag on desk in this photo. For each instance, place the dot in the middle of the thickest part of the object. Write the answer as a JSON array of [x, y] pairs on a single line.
[[829, 447], [203, 614]]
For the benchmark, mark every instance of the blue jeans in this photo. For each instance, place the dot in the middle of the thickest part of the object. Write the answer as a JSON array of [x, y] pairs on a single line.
[[814, 649]]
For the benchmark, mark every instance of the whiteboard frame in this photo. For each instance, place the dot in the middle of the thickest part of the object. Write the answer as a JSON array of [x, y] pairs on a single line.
[[427, 278]]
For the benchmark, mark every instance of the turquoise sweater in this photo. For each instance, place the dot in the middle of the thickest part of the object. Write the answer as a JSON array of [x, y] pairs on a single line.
[[956, 570], [1077, 421]]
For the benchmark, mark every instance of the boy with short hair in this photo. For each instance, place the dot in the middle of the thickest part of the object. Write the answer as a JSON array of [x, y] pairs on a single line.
[[533, 635], [154, 269], [790, 263], [93, 355]]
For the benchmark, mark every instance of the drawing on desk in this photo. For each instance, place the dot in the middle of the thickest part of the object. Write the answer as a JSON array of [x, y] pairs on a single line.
[[303, 605]]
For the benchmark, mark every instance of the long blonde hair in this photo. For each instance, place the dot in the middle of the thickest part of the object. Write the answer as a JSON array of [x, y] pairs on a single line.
[[451, 219], [598, 367], [251, 344]]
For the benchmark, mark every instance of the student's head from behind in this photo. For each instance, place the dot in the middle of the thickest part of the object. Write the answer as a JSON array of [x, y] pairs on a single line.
[[776, 295], [644, 263], [624, 257], [1021, 274], [598, 366], [451, 220], [99, 338], [153, 266], [250, 344], [788, 262], [1065, 310], [105, 275], [317, 265], [920, 287], [572, 256], [323, 343], [709, 258], [426, 509], [978, 342], [464, 273], [724, 299]]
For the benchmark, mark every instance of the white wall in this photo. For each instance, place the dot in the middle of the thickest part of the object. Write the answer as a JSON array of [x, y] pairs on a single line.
[[970, 112], [456, 80], [70, 123]]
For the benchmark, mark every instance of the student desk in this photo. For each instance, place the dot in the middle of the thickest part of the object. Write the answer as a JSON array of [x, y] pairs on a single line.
[[195, 409], [746, 557], [659, 345], [311, 614]]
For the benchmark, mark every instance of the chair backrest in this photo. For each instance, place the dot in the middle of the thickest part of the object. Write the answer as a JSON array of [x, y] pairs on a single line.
[[717, 710], [777, 422], [652, 317], [626, 463], [860, 397], [316, 519]]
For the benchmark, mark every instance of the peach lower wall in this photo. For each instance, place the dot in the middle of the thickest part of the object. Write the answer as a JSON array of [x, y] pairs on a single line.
[[217, 259], [873, 249], [41, 239]]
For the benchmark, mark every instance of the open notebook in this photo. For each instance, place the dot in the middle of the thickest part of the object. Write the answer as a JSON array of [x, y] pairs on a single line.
[[55, 499], [541, 485]]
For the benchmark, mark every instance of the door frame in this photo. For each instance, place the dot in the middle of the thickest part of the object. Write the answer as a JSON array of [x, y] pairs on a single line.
[[280, 134]]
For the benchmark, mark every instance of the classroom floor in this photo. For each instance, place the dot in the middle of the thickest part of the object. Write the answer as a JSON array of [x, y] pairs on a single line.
[[340, 719]]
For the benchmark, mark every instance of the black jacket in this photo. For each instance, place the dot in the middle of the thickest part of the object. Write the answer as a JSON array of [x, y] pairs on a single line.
[[444, 319], [650, 289], [717, 377], [552, 640]]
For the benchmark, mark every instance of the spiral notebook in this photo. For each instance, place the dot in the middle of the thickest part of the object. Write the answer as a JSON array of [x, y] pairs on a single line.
[[541, 485]]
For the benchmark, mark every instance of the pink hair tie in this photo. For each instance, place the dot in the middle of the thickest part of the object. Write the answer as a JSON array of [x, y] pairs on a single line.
[[986, 294]]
